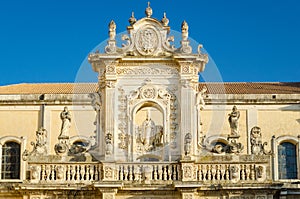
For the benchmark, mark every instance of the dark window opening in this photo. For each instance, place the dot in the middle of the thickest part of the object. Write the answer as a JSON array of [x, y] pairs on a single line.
[[10, 161]]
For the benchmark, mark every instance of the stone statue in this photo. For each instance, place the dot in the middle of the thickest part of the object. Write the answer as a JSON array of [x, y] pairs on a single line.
[[65, 116], [148, 129], [150, 135], [184, 30], [112, 30], [109, 144], [233, 121], [96, 101], [188, 144], [158, 136]]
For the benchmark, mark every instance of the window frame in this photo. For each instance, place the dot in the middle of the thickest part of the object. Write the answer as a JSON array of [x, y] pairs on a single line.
[[22, 142], [275, 144]]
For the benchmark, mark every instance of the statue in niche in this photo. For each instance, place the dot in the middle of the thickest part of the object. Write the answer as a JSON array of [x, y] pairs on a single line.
[[233, 121], [150, 135], [65, 116], [148, 129]]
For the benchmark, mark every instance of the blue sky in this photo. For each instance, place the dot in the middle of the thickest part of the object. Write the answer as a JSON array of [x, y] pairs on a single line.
[[249, 41]]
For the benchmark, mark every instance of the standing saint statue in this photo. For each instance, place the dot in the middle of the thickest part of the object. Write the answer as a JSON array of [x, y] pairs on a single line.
[[65, 116], [233, 121], [148, 129]]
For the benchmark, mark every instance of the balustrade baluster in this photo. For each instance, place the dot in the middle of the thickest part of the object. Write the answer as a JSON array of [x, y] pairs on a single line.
[[252, 172], [160, 172], [92, 172], [155, 172], [174, 172], [77, 173], [43, 172], [213, 172], [227, 174], [204, 167], [200, 174], [52, 172], [68, 173], [165, 172], [97, 173], [48, 171], [242, 172], [130, 173], [125, 173], [218, 172], [87, 174], [121, 176]]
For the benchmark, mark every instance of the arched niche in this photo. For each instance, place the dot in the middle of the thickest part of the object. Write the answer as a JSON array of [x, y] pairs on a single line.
[[150, 129]]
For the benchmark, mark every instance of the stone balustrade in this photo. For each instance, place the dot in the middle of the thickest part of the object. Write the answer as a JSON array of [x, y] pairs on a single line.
[[247, 169], [65, 172], [148, 172]]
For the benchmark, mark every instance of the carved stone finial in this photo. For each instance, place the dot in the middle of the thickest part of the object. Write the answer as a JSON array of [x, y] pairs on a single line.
[[165, 20], [149, 11], [112, 30], [132, 19], [185, 43], [184, 30]]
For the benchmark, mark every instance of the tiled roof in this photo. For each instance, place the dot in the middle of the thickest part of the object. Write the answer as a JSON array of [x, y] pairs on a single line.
[[253, 88], [49, 88], [213, 88]]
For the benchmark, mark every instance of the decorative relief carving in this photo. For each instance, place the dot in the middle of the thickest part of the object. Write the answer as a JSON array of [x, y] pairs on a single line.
[[200, 106], [123, 117], [257, 146], [39, 147], [146, 71], [147, 41]]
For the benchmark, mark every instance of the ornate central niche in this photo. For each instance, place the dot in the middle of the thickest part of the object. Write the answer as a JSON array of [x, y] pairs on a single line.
[[151, 117], [149, 130]]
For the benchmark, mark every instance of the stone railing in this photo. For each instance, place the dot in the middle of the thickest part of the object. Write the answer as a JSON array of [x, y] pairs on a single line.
[[227, 169], [148, 172], [210, 169], [65, 172]]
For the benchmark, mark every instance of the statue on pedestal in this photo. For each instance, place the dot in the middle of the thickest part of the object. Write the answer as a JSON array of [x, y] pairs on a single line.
[[150, 135], [233, 121], [65, 116]]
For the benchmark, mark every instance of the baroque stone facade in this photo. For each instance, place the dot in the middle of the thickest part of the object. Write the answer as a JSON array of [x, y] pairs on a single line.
[[148, 129]]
